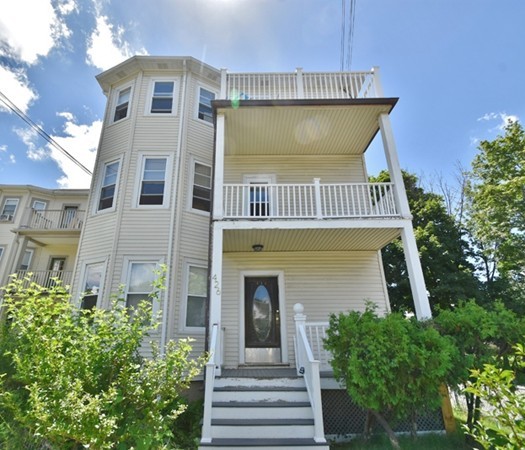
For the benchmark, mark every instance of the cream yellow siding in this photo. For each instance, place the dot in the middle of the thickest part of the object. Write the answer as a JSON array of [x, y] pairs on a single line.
[[324, 282]]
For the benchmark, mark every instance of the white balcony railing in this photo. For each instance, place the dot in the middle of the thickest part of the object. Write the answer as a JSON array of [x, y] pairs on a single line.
[[44, 278], [307, 201], [59, 219], [315, 334], [301, 85]]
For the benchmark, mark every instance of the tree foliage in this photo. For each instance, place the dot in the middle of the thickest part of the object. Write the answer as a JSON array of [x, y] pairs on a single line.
[[480, 334], [496, 387], [389, 365], [75, 378], [443, 251], [495, 199]]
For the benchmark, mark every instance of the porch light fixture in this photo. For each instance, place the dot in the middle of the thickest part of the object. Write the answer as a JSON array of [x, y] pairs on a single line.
[[257, 247]]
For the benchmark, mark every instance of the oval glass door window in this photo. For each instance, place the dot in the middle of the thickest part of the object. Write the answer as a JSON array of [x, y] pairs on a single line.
[[262, 313]]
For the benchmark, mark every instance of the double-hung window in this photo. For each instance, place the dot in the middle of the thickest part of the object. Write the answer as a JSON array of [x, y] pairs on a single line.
[[196, 297], [204, 111], [8, 209], [26, 260], [201, 198], [109, 183], [153, 181], [139, 286], [1, 252], [92, 284], [162, 97], [122, 104]]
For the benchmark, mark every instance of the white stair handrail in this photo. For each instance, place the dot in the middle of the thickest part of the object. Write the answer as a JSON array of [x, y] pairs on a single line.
[[308, 368], [211, 367]]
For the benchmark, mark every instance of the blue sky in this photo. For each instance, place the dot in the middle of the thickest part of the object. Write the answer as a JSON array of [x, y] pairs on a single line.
[[457, 66]]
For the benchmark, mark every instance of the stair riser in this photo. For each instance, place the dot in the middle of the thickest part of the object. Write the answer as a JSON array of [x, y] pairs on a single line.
[[257, 382], [262, 432], [276, 447], [261, 413], [260, 396]]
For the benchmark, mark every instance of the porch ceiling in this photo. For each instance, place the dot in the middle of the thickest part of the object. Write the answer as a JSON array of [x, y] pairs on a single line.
[[319, 239], [302, 127]]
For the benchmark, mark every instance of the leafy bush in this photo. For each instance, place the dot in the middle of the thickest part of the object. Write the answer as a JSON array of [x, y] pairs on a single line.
[[496, 388], [389, 364], [75, 378]]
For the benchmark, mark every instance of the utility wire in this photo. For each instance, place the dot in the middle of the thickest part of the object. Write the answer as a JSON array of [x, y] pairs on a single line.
[[347, 33], [10, 105]]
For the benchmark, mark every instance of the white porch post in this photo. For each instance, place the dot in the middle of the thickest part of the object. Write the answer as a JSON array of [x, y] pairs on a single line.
[[224, 84], [218, 176], [216, 288], [318, 204], [300, 83], [394, 169], [415, 272], [300, 321]]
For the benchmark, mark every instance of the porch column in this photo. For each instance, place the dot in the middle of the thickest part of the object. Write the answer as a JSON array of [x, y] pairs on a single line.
[[394, 169], [218, 174], [216, 286], [415, 273]]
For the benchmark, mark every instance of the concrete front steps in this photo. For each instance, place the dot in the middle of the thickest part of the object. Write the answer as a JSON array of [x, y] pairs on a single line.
[[261, 413]]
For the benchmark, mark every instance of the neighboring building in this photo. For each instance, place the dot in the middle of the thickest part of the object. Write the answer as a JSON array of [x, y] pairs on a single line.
[[39, 232], [252, 189]]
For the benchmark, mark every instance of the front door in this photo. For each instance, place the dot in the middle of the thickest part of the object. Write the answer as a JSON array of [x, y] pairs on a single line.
[[262, 334]]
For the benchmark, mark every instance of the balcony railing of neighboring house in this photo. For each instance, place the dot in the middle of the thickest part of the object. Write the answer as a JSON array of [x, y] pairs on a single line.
[[301, 85], [44, 278], [307, 201], [59, 219]]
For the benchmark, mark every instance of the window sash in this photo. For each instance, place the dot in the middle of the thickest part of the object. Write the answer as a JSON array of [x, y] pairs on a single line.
[[162, 98], [153, 181], [201, 187], [121, 108], [205, 110], [10, 205], [196, 297], [140, 282], [107, 191]]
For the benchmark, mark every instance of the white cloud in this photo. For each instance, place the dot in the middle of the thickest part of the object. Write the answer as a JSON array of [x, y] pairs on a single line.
[[15, 85], [107, 46], [3, 148], [31, 28], [12, 159], [80, 141], [30, 138], [504, 119]]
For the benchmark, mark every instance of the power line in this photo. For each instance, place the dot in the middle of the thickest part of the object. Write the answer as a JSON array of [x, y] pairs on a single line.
[[10, 105], [347, 33]]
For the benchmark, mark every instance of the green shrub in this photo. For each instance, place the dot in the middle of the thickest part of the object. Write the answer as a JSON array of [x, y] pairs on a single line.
[[75, 378]]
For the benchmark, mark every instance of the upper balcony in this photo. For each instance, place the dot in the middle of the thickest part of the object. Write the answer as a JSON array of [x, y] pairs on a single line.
[[49, 226], [300, 113], [301, 85]]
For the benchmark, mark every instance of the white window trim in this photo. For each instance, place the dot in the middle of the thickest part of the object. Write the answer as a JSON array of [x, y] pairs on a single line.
[[31, 252], [200, 212], [126, 274], [197, 98], [39, 200], [114, 101], [83, 273], [4, 201], [262, 178], [282, 310], [174, 106], [184, 304], [142, 156], [101, 175]]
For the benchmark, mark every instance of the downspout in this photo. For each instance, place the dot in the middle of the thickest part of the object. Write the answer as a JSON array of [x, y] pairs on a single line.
[[174, 218]]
